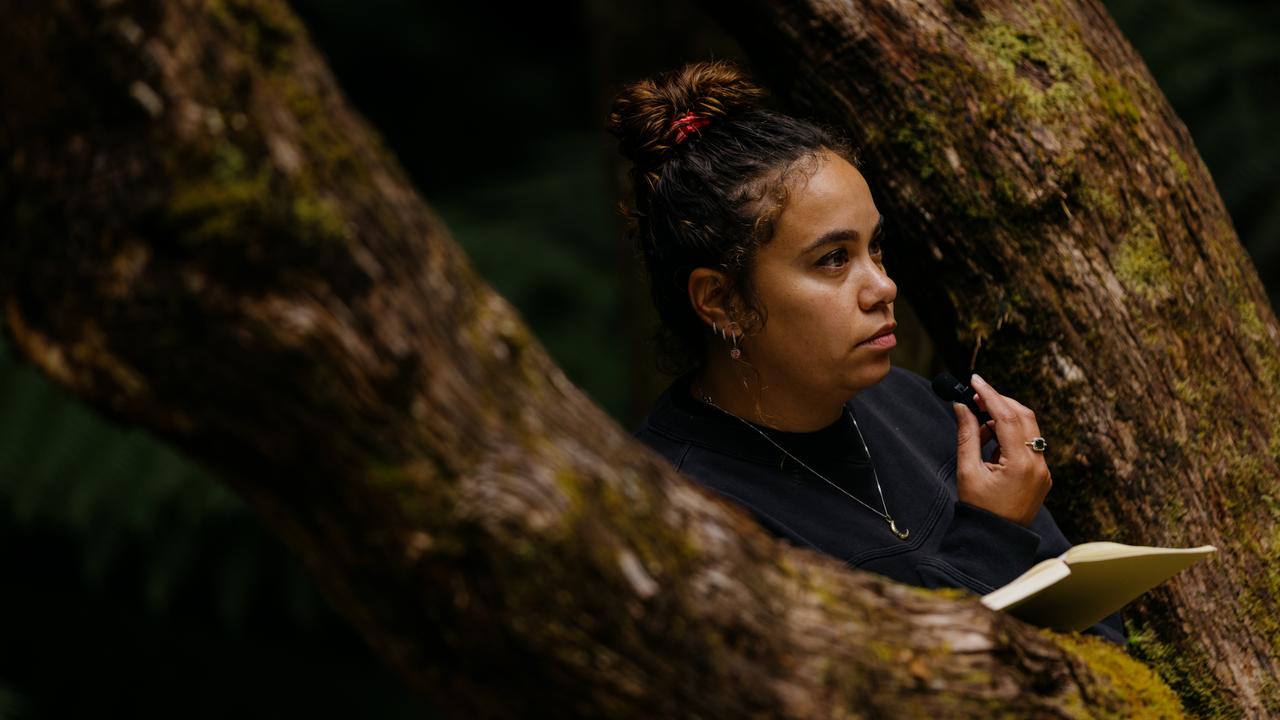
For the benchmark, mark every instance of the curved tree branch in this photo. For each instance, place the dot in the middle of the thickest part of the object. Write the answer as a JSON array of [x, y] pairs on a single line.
[[205, 240]]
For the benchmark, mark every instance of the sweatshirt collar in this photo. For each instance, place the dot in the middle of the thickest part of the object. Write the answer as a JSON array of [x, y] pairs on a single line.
[[677, 414]]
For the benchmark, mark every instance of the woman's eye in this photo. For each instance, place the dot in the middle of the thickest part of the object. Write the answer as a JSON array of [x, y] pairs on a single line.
[[835, 258]]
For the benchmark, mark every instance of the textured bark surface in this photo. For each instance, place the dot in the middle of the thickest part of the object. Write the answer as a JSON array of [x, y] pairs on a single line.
[[1056, 228], [202, 238]]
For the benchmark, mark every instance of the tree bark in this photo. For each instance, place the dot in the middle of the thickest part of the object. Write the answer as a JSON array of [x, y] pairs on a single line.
[[203, 239], [1060, 234]]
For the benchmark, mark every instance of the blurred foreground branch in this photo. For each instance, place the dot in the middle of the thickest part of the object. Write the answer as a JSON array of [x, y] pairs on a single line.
[[204, 239]]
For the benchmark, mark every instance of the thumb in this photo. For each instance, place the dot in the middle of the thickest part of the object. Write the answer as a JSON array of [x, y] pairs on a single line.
[[968, 445]]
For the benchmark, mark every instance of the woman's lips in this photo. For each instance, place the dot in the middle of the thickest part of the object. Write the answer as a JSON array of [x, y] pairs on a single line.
[[883, 342]]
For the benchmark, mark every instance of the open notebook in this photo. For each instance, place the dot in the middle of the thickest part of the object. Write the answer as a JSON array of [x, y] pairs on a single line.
[[1089, 582]]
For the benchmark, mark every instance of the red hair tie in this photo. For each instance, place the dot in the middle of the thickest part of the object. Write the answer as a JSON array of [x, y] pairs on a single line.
[[686, 124]]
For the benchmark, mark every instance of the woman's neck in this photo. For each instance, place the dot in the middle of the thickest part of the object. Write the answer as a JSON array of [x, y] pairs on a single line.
[[788, 409]]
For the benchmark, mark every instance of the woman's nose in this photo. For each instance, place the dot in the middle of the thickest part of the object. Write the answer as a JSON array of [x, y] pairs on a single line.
[[880, 289]]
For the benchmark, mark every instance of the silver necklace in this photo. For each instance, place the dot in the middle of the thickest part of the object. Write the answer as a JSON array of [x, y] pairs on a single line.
[[893, 527]]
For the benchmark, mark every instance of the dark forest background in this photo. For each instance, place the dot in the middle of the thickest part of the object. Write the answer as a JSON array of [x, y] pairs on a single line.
[[136, 586]]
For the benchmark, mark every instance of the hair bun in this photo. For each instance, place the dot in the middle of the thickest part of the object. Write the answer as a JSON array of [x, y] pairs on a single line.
[[644, 111]]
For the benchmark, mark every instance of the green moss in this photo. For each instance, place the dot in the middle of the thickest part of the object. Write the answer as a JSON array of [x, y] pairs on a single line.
[[1033, 74], [495, 334], [329, 152], [1187, 391], [1099, 199], [228, 163], [228, 193], [1184, 668], [265, 29], [940, 593], [1249, 489], [636, 521], [318, 218], [885, 652], [1140, 262], [1038, 68], [1115, 100], [1260, 598], [1127, 678], [1269, 689], [1273, 445], [1030, 73], [927, 130], [923, 135], [219, 209], [1175, 512], [1248, 475], [223, 202], [1250, 324], [1179, 165], [1006, 190], [269, 36]]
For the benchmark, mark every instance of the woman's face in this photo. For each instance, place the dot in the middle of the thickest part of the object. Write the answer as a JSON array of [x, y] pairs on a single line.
[[823, 283]]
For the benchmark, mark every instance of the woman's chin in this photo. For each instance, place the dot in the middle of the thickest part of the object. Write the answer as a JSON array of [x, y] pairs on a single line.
[[868, 374]]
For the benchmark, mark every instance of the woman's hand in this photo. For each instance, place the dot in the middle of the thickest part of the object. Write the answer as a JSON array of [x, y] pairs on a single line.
[[1013, 486]]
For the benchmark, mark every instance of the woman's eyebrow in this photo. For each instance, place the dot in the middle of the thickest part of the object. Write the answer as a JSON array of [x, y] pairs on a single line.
[[835, 236], [829, 237]]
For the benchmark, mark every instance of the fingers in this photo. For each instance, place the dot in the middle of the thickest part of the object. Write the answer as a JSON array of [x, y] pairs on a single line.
[[1014, 483], [985, 433], [1014, 422], [968, 445]]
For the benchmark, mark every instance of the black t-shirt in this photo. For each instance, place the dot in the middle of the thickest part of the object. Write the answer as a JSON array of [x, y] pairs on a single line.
[[911, 436]]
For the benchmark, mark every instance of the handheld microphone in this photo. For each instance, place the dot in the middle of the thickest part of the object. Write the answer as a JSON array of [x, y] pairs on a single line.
[[947, 387]]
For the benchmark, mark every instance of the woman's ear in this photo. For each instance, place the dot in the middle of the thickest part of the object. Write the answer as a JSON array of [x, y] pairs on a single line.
[[708, 296]]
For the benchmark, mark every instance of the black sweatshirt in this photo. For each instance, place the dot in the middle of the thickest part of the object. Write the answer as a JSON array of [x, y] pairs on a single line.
[[911, 435]]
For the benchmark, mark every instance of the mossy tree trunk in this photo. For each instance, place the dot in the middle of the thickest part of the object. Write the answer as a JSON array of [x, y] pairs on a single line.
[[200, 237], [1053, 223]]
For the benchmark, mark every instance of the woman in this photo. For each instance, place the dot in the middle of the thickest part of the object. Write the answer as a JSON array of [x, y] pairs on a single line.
[[763, 248]]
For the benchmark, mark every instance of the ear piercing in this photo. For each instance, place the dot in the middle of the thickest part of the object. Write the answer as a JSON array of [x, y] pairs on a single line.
[[734, 352]]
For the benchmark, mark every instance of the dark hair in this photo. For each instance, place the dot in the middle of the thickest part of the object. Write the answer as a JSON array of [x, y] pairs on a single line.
[[711, 200]]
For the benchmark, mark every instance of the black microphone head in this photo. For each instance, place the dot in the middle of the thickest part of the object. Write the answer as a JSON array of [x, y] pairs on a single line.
[[947, 387]]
